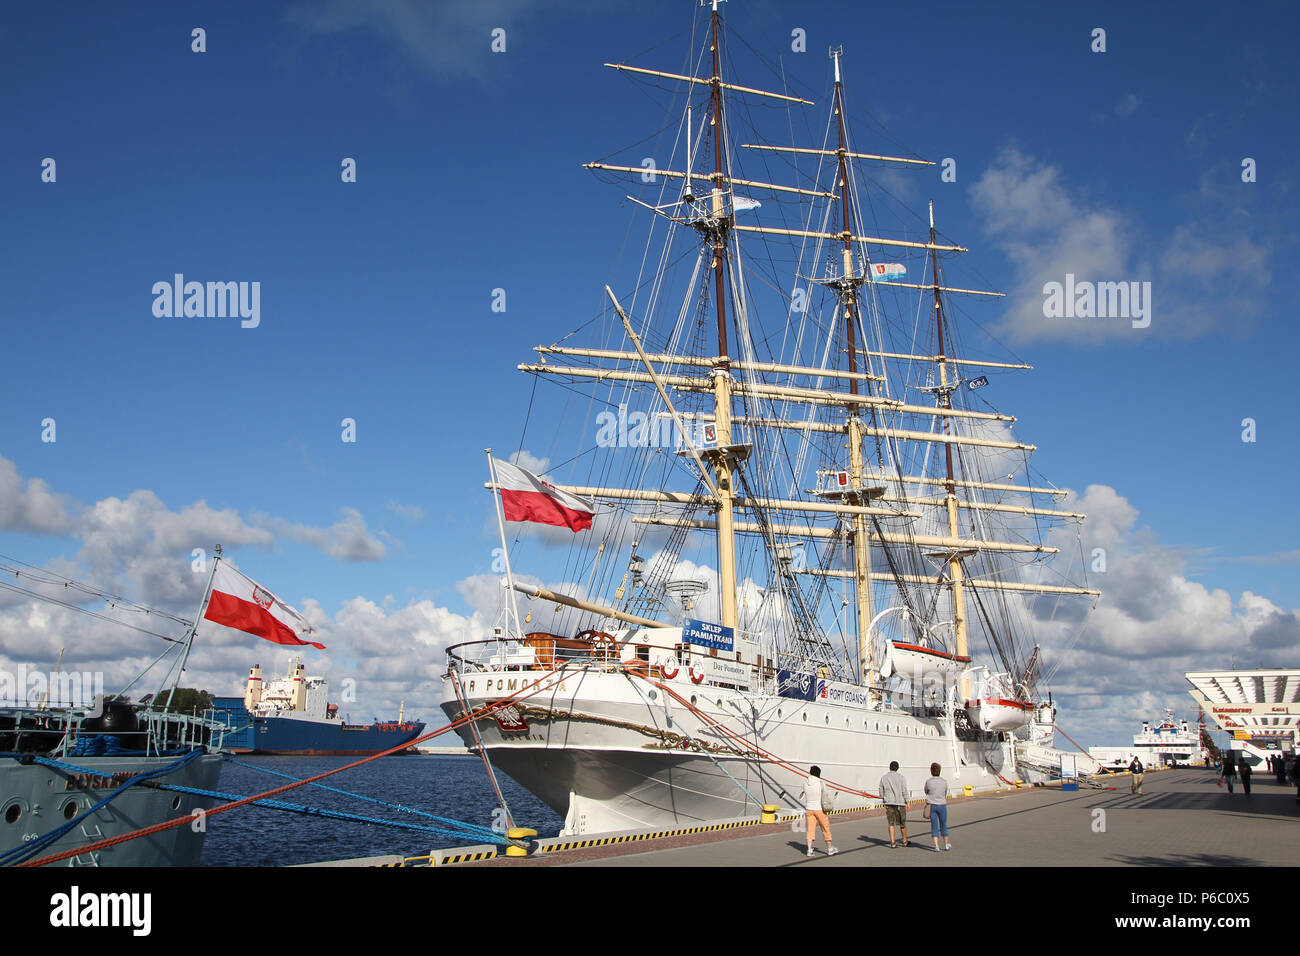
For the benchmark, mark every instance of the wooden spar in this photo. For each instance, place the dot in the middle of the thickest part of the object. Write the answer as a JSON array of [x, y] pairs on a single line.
[[663, 393], [556, 598], [841, 152], [898, 433], [747, 183], [815, 531], [950, 361], [870, 240], [715, 82], [706, 362], [987, 506], [913, 285], [980, 583], [773, 504], [984, 485], [807, 396]]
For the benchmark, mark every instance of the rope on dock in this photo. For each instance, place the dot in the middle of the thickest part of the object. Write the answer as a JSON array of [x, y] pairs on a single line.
[[523, 693]]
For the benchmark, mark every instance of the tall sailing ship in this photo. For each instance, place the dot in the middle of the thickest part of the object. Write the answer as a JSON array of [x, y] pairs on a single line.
[[801, 534]]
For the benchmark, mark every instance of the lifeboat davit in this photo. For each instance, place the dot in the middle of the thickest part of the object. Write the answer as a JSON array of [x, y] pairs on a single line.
[[998, 714]]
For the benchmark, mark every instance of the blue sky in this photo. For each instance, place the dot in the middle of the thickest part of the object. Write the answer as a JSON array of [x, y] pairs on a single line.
[[376, 295]]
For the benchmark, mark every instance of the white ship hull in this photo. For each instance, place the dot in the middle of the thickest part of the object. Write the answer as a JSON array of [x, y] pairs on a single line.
[[603, 753]]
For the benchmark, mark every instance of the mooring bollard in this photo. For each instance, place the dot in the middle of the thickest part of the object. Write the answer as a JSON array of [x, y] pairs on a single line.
[[769, 813]]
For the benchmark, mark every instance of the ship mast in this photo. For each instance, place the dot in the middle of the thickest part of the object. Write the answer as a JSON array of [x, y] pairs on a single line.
[[944, 397], [721, 457], [848, 289]]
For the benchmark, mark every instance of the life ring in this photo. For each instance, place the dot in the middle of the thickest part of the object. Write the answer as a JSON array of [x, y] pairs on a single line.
[[695, 678], [663, 669]]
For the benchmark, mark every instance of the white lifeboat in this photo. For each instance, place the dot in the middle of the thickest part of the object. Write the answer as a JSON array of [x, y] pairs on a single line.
[[998, 714], [910, 658]]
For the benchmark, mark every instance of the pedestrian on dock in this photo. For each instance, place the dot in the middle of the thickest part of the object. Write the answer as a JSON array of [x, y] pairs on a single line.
[[1137, 772], [1229, 769], [1245, 775], [893, 794], [1279, 769], [936, 801], [816, 803]]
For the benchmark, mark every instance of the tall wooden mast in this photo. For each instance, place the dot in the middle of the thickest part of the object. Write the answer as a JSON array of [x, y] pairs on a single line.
[[944, 396], [721, 457], [850, 282]]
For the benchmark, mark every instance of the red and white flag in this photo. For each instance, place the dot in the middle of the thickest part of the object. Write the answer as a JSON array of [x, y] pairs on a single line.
[[240, 602], [525, 497]]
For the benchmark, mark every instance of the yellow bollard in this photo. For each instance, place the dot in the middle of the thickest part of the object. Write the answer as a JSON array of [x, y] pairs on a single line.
[[518, 833], [969, 790], [769, 813]]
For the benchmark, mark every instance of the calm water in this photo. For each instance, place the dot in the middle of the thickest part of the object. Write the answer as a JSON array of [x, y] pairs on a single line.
[[454, 787]]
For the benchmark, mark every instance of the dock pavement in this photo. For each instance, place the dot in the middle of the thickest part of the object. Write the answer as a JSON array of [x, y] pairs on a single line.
[[1181, 818]]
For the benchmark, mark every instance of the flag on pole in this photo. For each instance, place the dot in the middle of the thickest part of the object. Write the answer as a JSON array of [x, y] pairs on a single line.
[[240, 602], [525, 497]]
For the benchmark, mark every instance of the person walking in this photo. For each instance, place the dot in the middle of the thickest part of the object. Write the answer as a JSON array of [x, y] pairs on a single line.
[[936, 799], [893, 794], [815, 804], [1279, 769], [1137, 772], [1229, 769], [1245, 775]]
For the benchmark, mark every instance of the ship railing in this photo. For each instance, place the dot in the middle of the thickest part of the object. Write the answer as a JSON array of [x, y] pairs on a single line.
[[60, 731], [657, 661]]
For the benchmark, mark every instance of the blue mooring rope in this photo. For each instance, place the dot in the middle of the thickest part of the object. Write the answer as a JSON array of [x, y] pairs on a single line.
[[471, 829], [329, 814]]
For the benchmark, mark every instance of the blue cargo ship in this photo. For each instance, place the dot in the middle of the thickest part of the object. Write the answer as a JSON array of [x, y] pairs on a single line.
[[293, 716]]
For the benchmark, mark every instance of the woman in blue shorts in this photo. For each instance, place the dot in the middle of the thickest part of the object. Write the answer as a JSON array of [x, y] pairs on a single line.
[[936, 796]]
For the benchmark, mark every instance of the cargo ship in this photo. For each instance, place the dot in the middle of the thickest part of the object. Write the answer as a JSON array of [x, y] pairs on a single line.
[[292, 716]]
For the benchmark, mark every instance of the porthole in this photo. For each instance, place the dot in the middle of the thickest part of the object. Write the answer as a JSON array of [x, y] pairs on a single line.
[[176, 802], [778, 714], [70, 809], [805, 716], [828, 718], [13, 812], [692, 700]]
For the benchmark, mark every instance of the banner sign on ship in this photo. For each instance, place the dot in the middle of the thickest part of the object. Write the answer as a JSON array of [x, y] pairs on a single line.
[[797, 685], [709, 635]]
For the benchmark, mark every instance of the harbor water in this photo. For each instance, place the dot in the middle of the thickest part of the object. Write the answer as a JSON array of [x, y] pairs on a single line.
[[449, 786]]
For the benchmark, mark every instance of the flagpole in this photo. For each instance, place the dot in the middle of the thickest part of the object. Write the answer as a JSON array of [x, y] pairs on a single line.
[[505, 549], [203, 606]]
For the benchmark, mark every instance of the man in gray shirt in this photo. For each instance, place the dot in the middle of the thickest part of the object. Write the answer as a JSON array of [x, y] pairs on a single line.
[[893, 793]]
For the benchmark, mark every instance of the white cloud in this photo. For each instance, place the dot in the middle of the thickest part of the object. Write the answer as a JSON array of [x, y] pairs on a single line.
[[348, 539], [1049, 230]]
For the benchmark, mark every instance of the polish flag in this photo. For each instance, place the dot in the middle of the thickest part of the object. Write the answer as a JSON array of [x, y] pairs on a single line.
[[242, 603], [525, 497]]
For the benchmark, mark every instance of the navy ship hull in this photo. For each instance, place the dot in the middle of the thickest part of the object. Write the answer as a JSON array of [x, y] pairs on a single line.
[[291, 736]]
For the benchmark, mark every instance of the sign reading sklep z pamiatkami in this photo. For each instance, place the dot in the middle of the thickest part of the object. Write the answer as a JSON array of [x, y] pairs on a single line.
[[709, 635]]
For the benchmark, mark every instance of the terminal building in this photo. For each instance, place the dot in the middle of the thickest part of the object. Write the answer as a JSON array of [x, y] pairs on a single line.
[[1258, 709]]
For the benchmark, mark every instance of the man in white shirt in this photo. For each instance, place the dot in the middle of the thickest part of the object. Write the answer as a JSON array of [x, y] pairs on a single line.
[[893, 793]]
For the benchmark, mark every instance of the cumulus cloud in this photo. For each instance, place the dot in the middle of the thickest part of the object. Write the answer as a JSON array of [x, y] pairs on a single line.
[[1125, 661], [1050, 230], [30, 505], [348, 539]]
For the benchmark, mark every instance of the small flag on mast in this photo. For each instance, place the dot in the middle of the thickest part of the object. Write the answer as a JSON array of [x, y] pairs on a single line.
[[240, 602], [525, 497]]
